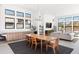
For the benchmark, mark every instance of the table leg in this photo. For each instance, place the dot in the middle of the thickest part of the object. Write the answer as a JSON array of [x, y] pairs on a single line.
[[57, 49], [41, 46]]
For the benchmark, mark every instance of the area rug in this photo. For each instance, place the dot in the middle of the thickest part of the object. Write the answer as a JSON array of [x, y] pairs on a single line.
[[22, 48]]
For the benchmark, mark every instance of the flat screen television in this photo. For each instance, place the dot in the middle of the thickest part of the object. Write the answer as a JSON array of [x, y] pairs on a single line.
[[48, 25]]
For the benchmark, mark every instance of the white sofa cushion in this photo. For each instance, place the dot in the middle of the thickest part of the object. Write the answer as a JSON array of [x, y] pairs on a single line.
[[65, 36]]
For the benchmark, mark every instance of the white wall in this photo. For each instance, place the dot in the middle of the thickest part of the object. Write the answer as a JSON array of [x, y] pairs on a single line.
[[55, 9], [48, 19]]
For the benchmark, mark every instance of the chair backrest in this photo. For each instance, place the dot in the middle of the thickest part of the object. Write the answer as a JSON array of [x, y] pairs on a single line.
[[54, 42], [33, 39], [57, 41], [27, 37]]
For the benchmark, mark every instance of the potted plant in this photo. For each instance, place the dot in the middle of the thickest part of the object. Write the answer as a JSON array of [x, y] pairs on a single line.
[[50, 31]]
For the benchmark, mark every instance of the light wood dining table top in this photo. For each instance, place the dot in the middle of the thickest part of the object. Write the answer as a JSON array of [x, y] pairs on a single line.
[[42, 37]]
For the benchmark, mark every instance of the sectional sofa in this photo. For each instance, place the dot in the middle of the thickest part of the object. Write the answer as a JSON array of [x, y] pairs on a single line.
[[64, 36]]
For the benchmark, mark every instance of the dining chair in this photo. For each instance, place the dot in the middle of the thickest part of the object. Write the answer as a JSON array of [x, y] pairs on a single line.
[[54, 45], [34, 42], [28, 39]]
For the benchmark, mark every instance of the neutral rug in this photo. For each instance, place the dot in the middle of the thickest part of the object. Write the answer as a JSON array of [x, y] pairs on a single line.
[[22, 48]]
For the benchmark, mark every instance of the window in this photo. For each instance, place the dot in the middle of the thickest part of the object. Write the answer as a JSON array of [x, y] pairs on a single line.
[[9, 12], [19, 14], [48, 25], [68, 27], [27, 24], [27, 15], [76, 23], [71, 24], [61, 24], [9, 23], [17, 19], [20, 24]]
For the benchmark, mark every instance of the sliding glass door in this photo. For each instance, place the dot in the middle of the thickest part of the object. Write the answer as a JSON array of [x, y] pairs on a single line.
[[76, 23], [68, 26], [61, 24]]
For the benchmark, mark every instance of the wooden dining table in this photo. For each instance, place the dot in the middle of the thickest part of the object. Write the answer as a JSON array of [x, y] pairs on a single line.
[[44, 38]]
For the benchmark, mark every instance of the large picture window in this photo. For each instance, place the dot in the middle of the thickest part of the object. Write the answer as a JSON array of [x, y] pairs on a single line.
[[9, 23], [17, 19], [19, 14], [27, 24], [20, 24], [68, 26], [9, 12], [27, 15], [61, 24], [76, 23]]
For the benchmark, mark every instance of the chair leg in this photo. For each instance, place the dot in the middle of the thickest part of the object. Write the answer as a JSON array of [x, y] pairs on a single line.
[[35, 47], [57, 49], [46, 48], [54, 50], [31, 45]]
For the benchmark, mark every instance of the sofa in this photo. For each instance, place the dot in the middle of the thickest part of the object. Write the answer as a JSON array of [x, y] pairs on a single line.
[[64, 36]]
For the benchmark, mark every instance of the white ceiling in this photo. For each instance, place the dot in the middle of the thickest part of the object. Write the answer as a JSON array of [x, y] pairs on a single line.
[[54, 9]]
